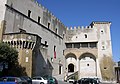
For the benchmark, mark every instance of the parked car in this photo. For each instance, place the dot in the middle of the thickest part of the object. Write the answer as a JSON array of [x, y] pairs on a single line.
[[71, 80], [29, 80], [98, 80], [39, 80], [24, 81], [87, 81], [10, 80], [51, 80]]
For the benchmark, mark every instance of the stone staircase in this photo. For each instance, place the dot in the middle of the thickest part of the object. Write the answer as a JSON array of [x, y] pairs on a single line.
[[73, 75]]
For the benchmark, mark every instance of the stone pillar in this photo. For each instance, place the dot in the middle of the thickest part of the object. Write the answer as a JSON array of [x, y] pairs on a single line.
[[79, 75], [77, 65], [72, 45], [98, 72], [2, 28]]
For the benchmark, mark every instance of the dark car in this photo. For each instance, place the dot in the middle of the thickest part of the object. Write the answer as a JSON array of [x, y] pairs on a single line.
[[10, 80], [24, 81], [51, 80], [87, 81], [29, 80]]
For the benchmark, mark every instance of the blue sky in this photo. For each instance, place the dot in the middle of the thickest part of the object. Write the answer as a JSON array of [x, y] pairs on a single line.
[[83, 12]]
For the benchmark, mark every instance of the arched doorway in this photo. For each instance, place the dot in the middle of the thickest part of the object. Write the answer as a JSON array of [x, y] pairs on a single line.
[[71, 68], [88, 66], [71, 63]]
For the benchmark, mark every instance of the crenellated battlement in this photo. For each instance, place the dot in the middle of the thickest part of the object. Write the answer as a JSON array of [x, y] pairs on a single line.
[[79, 27], [46, 10]]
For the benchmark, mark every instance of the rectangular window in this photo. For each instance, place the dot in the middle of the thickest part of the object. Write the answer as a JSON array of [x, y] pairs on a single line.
[[76, 45], [69, 45], [29, 13], [54, 48], [93, 45], [55, 52], [48, 25], [39, 19], [84, 45], [60, 69], [56, 30]]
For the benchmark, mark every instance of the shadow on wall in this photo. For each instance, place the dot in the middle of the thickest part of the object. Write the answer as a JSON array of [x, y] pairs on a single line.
[[41, 64], [107, 68]]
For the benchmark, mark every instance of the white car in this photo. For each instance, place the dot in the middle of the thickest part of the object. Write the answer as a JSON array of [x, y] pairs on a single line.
[[71, 80], [39, 80]]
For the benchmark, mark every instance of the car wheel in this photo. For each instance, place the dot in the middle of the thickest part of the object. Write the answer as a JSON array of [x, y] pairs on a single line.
[[41, 83]]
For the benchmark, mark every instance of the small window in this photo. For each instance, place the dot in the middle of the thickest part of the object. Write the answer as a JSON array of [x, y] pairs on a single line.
[[54, 48], [102, 31], [48, 25], [29, 13], [55, 52], [56, 30], [76, 45], [87, 64], [85, 35], [105, 67], [103, 47], [60, 69], [93, 45], [84, 45], [69, 45], [39, 19]]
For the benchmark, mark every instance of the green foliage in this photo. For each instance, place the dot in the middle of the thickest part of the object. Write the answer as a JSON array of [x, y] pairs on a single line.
[[9, 55]]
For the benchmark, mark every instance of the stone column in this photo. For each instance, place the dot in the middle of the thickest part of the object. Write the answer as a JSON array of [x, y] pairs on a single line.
[[2, 28], [98, 72], [77, 65], [79, 75]]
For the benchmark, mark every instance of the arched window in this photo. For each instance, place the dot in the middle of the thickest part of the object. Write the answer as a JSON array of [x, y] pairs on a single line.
[[85, 35]]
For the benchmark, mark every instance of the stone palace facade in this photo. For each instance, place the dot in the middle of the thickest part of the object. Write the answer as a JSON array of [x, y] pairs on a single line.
[[47, 47]]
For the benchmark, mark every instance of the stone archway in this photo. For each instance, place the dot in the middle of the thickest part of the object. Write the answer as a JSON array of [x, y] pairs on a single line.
[[87, 65], [71, 62]]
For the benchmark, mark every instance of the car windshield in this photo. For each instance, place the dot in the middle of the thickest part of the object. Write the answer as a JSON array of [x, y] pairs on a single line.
[[88, 80], [11, 79], [44, 78]]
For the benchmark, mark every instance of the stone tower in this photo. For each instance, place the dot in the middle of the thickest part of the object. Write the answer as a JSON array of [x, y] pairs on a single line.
[[88, 51]]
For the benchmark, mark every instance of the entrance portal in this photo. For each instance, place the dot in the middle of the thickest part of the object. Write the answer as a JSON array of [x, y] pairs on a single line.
[[70, 68]]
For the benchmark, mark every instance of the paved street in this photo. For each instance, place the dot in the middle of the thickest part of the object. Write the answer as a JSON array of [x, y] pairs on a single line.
[[61, 82]]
